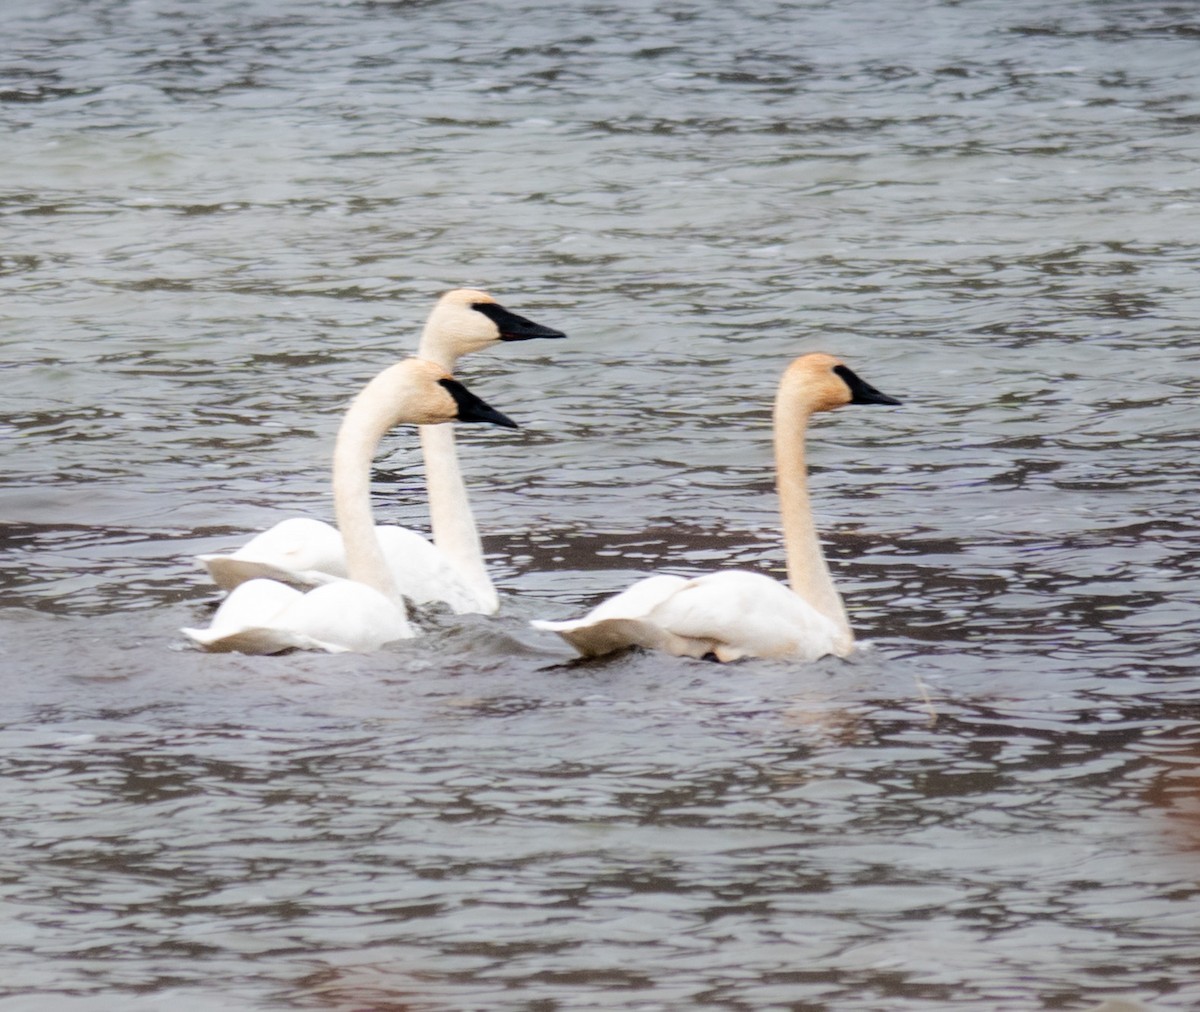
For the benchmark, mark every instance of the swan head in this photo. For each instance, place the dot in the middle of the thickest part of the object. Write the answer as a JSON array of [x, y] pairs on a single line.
[[419, 392], [466, 320], [825, 382]]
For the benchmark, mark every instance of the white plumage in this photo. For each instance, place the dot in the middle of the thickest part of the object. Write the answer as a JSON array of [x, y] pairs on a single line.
[[266, 617], [306, 553], [730, 615]]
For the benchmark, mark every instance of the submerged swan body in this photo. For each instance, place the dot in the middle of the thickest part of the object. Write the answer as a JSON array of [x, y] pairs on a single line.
[[366, 609], [306, 553], [735, 613]]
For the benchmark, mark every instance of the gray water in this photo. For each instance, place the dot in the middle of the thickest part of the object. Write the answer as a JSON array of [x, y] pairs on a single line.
[[220, 219]]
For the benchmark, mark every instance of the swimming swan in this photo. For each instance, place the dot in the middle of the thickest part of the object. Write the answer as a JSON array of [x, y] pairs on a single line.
[[307, 553], [366, 610], [735, 613]]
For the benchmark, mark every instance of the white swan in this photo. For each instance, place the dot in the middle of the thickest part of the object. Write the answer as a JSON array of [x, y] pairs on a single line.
[[735, 613], [366, 610], [307, 553]]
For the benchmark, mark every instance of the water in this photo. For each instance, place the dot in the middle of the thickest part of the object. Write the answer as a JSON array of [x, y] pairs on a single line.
[[220, 219]]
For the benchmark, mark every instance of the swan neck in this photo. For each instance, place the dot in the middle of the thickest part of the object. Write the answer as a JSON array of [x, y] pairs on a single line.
[[433, 348], [450, 517], [808, 572], [362, 429]]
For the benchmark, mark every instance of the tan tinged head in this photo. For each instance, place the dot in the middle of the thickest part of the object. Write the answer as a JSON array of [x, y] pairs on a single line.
[[420, 392], [455, 327], [466, 320], [821, 382]]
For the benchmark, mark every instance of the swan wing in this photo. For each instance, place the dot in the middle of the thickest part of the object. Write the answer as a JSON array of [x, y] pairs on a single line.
[[299, 551], [248, 620], [267, 617], [229, 572], [306, 553], [345, 615], [623, 621], [745, 614], [424, 575]]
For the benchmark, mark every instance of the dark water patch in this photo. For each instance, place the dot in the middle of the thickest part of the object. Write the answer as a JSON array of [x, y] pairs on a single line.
[[29, 93], [1162, 26], [19, 264], [85, 423]]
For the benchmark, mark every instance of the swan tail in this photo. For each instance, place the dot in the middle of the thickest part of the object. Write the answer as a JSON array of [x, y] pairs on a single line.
[[229, 572], [622, 621], [258, 640], [595, 639], [299, 551], [248, 621]]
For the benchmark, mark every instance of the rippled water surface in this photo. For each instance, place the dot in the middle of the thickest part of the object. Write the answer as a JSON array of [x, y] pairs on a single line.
[[220, 219]]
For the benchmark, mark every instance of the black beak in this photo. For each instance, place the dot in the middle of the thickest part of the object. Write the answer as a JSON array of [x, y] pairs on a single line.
[[513, 327], [475, 409], [861, 392]]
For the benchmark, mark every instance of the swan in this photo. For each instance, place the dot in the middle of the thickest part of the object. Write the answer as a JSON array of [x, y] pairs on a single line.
[[735, 613], [365, 610], [306, 553]]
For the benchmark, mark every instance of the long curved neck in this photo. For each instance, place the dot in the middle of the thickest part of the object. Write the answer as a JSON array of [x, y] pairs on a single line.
[[808, 573], [430, 349], [450, 517], [358, 438]]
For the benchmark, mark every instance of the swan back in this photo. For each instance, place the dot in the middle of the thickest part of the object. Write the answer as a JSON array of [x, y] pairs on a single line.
[[298, 550], [268, 617], [467, 319]]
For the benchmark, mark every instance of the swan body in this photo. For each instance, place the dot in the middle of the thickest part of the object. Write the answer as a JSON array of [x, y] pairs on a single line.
[[305, 553], [365, 609], [735, 613], [265, 617], [731, 615]]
